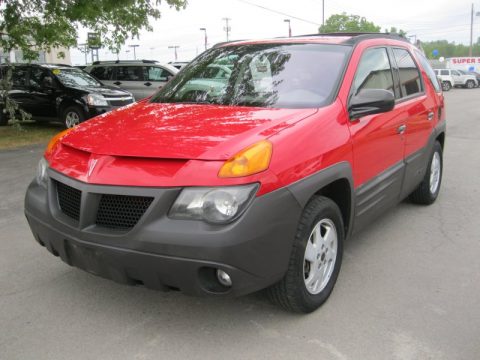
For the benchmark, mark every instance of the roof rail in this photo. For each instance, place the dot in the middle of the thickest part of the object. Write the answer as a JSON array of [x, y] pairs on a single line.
[[358, 36], [124, 61]]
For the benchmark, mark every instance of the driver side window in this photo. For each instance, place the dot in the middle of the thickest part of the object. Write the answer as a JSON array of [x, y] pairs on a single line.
[[39, 77], [374, 72]]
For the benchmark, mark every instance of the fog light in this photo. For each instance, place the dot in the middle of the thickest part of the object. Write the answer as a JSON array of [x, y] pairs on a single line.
[[224, 278]]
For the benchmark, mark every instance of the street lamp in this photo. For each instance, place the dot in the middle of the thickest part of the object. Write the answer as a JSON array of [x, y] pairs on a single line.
[[134, 54], [205, 33], [174, 47], [227, 28], [289, 27]]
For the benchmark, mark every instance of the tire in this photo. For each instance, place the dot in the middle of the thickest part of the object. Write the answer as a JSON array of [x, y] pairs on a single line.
[[427, 192], [3, 117], [446, 86], [470, 84], [299, 291], [72, 116]]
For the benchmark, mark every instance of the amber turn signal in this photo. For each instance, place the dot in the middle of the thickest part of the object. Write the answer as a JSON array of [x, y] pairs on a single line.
[[249, 161], [54, 141]]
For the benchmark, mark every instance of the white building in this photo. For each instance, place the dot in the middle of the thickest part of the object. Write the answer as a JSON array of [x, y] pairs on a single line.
[[52, 56]]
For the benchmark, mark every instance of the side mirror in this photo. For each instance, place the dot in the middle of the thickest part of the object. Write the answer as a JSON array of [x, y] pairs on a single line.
[[369, 102]]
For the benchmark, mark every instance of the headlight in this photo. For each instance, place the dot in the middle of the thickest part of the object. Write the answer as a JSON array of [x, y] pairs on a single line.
[[96, 100], [218, 205], [42, 172]]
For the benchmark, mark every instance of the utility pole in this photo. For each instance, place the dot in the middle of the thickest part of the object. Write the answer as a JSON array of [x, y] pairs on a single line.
[[323, 12], [134, 54], [289, 27], [227, 28], [205, 33], [174, 47], [471, 33]]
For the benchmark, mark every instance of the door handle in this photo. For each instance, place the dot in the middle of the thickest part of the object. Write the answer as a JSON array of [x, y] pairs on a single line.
[[148, 83], [117, 83], [430, 115], [401, 129]]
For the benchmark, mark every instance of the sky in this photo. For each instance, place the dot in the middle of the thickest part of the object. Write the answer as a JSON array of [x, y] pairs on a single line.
[[427, 20]]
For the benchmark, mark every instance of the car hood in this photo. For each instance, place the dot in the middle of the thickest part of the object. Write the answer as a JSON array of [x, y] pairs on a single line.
[[180, 131], [106, 90]]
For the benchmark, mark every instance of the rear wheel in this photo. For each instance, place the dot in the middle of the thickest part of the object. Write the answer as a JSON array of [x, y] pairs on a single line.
[[3, 118], [446, 86], [427, 191], [72, 116], [315, 259], [470, 84]]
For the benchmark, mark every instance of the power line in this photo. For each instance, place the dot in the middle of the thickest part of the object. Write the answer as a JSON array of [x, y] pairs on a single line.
[[278, 12]]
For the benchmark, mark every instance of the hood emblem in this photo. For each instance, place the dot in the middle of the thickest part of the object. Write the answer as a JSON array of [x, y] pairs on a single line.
[[91, 166]]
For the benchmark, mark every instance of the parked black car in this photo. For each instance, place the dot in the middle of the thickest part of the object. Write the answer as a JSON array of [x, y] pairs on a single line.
[[57, 92]]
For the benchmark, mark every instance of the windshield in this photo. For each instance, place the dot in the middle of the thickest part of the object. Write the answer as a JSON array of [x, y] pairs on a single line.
[[271, 75], [75, 77]]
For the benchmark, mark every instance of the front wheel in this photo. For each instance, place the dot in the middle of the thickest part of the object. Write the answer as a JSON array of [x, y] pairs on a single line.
[[470, 84], [446, 86], [315, 259], [427, 192], [72, 116]]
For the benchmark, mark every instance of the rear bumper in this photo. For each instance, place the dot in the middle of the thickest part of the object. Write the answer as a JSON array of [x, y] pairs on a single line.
[[163, 253]]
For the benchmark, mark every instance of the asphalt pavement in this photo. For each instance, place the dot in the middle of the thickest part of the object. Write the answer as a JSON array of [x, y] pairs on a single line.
[[409, 287]]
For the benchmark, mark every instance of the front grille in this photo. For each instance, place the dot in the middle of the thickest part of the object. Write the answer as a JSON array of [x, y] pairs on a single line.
[[121, 212], [69, 200], [120, 102]]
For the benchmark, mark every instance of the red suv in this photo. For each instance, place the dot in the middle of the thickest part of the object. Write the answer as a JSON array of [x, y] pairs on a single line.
[[252, 180]]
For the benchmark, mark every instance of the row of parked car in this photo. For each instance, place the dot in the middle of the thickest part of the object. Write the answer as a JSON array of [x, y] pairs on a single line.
[[58, 92], [457, 78]]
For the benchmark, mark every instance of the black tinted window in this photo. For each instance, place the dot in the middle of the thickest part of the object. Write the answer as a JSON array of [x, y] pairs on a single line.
[[260, 75], [374, 71], [129, 73], [39, 77], [19, 76], [444, 72], [409, 74], [102, 72]]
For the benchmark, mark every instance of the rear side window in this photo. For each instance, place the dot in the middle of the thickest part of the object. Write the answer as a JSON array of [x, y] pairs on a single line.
[[102, 72], [19, 77], [374, 71], [410, 80], [444, 72], [428, 69], [130, 73], [153, 73]]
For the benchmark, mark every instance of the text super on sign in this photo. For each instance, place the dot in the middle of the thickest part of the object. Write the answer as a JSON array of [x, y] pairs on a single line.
[[465, 60]]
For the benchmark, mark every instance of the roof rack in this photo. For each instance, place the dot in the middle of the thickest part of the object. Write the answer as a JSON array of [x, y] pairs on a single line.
[[124, 61], [355, 37]]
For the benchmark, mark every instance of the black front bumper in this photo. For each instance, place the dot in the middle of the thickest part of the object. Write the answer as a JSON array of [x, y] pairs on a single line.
[[163, 253]]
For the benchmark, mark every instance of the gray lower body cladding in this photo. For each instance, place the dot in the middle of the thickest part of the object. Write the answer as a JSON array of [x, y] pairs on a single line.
[[160, 252]]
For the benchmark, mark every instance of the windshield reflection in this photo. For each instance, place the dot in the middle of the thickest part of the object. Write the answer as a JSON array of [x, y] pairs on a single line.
[[260, 75]]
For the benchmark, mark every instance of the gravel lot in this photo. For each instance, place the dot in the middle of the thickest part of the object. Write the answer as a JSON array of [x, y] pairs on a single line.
[[409, 287]]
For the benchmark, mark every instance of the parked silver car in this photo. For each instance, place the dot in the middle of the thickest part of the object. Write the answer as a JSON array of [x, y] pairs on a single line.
[[140, 77]]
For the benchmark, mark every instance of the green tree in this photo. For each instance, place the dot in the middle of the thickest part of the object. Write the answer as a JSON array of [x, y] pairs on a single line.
[[348, 23], [449, 49], [32, 25], [393, 30], [29, 25]]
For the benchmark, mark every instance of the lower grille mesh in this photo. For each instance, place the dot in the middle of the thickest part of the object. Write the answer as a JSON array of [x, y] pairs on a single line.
[[121, 212], [69, 200]]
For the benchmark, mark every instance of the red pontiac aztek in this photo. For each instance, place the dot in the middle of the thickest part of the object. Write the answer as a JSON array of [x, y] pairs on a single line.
[[248, 170]]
